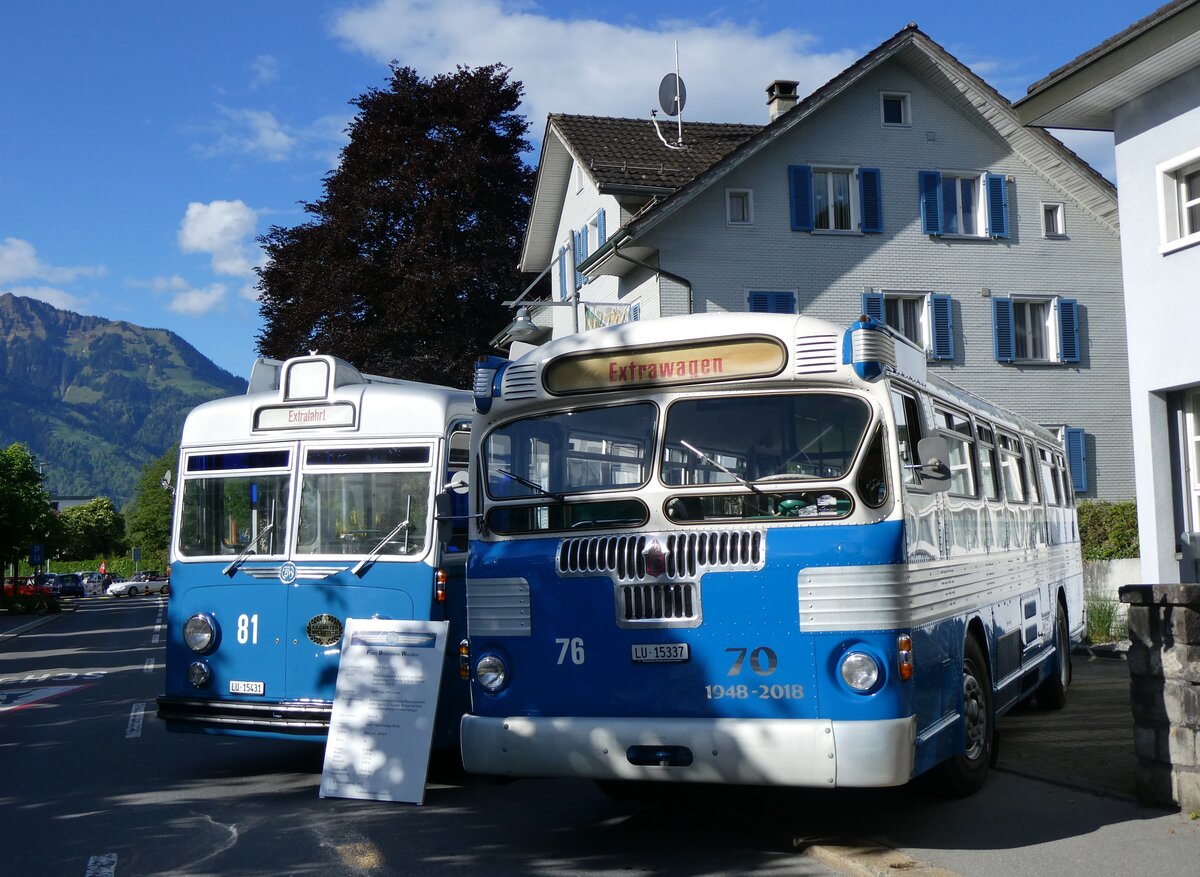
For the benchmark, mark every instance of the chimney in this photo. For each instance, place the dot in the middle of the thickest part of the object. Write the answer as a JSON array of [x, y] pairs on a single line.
[[781, 97]]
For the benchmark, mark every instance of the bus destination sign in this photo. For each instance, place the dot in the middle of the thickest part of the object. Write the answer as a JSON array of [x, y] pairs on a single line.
[[304, 416], [667, 365]]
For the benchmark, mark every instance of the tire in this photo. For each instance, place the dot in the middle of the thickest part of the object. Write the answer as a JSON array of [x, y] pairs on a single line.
[[1052, 693], [964, 774], [133, 592]]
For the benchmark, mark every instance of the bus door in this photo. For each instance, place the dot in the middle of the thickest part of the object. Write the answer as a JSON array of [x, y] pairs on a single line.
[[361, 544]]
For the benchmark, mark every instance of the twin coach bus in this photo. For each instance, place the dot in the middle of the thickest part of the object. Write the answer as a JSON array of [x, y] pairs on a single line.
[[757, 549], [304, 502]]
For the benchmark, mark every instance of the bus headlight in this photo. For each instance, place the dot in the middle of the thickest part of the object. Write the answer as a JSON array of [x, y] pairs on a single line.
[[199, 633], [491, 673], [198, 674], [860, 671]]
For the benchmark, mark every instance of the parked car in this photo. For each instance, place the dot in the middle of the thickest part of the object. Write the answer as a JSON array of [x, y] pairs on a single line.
[[93, 582], [133, 587], [46, 582], [70, 584]]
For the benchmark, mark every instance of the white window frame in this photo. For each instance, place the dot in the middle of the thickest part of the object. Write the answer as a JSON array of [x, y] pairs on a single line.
[[980, 206], [905, 109], [578, 172], [592, 230], [730, 196], [925, 319], [852, 172], [1050, 326], [1174, 232], [1059, 219]]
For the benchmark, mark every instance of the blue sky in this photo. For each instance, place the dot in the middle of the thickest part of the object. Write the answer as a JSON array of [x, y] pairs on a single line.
[[146, 145]]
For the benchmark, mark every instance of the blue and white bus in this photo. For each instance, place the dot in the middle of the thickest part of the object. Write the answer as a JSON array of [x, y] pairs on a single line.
[[758, 549], [307, 501]]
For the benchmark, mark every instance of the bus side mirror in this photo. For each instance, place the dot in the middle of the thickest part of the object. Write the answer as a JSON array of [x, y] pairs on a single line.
[[934, 454], [443, 514]]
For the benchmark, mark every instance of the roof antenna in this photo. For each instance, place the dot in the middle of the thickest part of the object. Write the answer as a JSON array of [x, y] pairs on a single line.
[[671, 97]]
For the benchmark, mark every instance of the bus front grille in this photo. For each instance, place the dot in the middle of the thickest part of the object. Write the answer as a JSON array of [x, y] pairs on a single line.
[[658, 557], [671, 604]]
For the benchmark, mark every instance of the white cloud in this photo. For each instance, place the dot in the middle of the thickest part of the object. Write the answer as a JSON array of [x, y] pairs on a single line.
[[562, 73], [252, 132], [195, 302], [265, 69], [221, 229], [19, 261], [51, 295]]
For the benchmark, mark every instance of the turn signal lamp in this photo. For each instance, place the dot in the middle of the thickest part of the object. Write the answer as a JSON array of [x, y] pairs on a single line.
[[464, 659], [439, 589], [904, 655]]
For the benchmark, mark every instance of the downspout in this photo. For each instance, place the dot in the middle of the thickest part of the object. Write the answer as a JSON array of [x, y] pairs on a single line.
[[687, 284]]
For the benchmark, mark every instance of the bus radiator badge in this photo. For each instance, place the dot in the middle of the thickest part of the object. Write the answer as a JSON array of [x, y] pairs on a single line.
[[287, 573], [324, 630]]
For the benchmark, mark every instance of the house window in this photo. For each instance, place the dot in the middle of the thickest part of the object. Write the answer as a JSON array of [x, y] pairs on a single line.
[[1179, 201], [893, 109], [1053, 224], [843, 199], [964, 203], [771, 302], [739, 206], [924, 318], [1035, 329]]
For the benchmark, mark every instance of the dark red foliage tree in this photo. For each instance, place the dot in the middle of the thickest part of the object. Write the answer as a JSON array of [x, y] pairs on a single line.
[[409, 254]]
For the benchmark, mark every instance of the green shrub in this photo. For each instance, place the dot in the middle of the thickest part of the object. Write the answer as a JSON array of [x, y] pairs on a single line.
[[1108, 530], [1104, 625]]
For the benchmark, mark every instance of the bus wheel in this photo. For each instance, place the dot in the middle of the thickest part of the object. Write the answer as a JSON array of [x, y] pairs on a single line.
[[964, 774], [1052, 693]]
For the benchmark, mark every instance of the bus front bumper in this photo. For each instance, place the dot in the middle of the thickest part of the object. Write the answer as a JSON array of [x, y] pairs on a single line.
[[290, 719], [771, 752]]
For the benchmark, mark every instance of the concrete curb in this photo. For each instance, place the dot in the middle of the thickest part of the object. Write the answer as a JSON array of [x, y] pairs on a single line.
[[1107, 651], [866, 859]]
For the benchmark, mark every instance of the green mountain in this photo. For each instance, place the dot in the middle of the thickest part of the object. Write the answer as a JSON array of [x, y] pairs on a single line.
[[96, 400]]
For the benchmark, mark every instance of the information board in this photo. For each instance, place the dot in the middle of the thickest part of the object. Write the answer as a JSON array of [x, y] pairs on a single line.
[[383, 710]]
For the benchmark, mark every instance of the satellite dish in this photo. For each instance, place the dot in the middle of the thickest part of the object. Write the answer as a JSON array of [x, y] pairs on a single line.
[[670, 90]]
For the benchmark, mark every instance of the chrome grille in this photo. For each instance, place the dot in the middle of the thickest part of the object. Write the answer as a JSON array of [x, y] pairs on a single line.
[[816, 354], [670, 602], [520, 381], [685, 555]]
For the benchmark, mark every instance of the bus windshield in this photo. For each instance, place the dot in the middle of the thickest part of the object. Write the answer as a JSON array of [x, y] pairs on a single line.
[[352, 512], [581, 451], [225, 515], [765, 438]]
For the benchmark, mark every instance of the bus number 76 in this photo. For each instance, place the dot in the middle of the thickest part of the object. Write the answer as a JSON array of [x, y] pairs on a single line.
[[572, 646]]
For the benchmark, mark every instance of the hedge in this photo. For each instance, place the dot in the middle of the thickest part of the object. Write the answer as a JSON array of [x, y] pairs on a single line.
[[1108, 530]]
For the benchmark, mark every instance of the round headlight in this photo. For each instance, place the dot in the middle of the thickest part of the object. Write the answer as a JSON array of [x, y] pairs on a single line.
[[860, 671], [199, 633], [490, 673], [199, 674]]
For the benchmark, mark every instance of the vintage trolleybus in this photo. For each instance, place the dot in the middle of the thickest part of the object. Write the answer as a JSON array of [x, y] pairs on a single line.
[[757, 549], [307, 501]]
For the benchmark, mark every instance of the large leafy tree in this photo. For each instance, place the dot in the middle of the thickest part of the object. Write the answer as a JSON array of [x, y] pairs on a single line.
[[94, 529], [412, 249], [148, 517], [25, 514]]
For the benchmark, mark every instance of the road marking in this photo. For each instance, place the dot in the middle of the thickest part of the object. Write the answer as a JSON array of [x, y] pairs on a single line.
[[149, 666], [134, 729], [102, 866]]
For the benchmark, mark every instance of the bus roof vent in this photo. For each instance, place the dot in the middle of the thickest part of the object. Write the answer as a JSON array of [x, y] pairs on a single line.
[[520, 381], [816, 354]]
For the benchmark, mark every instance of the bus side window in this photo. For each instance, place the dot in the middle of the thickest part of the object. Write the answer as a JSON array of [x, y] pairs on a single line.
[[1031, 472], [956, 429], [908, 433], [872, 474], [988, 465]]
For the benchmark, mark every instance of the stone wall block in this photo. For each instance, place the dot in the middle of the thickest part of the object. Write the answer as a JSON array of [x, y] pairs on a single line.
[[1147, 698], [1185, 624], [1187, 790], [1155, 783], [1142, 624], [1150, 742], [1181, 747]]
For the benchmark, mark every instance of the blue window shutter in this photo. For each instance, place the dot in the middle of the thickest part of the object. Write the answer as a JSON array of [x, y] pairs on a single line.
[[872, 305], [942, 308], [931, 201], [1076, 457], [1002, 330], [562, 273], [635, 311], [1068, 329], [577, 256], [997, 201], [601, 231], [871, 192], [800, 196], [772, 302]]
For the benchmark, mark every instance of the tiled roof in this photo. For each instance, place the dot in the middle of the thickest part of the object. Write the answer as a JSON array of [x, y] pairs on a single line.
[[628, 152]]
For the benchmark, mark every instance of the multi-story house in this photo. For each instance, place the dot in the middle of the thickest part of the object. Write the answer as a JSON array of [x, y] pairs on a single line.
[[1143, 84], [904, 188]]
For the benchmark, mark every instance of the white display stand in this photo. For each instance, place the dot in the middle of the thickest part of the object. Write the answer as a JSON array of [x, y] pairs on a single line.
[[383, 710]]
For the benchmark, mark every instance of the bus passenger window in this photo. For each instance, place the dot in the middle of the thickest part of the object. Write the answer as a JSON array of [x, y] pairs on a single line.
[[988, 466], [956, 429], [1031, 473], [1012, 469]]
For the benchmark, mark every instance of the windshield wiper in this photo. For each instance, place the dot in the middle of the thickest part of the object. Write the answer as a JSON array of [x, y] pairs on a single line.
[[783, 475], [532, 485], [405, 525], [707, 459], [248, 550]]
